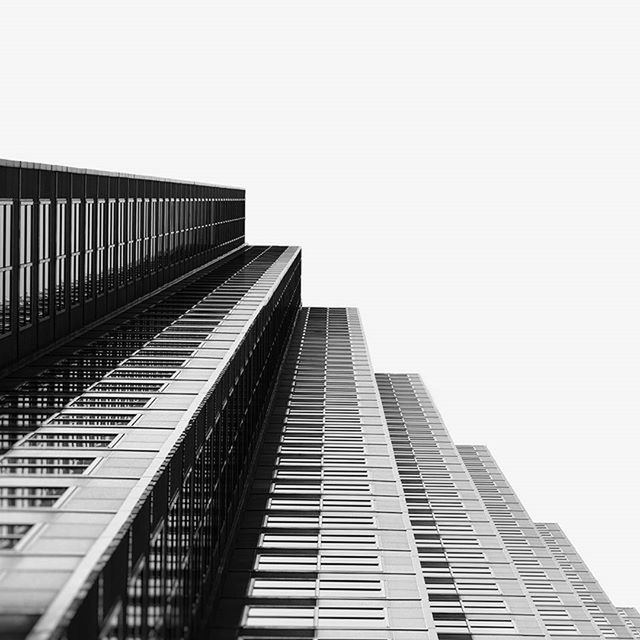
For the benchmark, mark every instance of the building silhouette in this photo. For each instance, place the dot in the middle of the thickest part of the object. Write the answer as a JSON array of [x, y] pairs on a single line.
[[186, 452]]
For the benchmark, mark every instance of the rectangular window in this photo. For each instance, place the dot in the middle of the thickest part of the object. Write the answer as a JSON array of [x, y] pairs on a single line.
[[111, 246], [92, 419], [88, 249], [29, 497], [90, 440], [100, 248], [128, 387], [300, 540], [262, 587], [136, 602], [341, 588], [11, 534], [349, 563], [25, 266], [122, 243], [156, 588], [292, 521], [45, 465], [153, 233], [351, 617], [148, 362], [279, 616], [342, 540], [5, 267], [44, 258], [61, 254], [287, 563], [130, 270], [74, 246], [140, 373], [97, 402]]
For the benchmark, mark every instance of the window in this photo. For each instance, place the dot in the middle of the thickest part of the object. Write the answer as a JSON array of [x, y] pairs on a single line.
[[100, 252], [157, 352], [141, 373], [341, 588], [45, 465], [29, 497], [346, 503], [122, 235], [292, 521], [24, 280], [286, 563], [88, 249], [127, 387], [294, 503], [348, 540], [89, 440], [92, 419], [122, 402], [155, 607], [297, 540], [44, 258], [5, 267], [113, 628], [111, 245], [135, 604], [351, 616], [349, 562], [74, 246], [11, 534], [61, 255], [151, 362], [279, 616], [262, 587]]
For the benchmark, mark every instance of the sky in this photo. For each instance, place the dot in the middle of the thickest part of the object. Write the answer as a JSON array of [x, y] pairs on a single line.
[[466, 173]]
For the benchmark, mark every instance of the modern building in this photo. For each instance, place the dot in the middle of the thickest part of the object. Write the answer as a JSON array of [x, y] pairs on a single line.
[[631, 618], [186, 452], [595, 600]]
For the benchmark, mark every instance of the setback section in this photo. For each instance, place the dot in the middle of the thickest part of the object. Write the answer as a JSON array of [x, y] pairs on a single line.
[[557, 602], [322, 549], [595, 600], [135, 481], [473, 588]]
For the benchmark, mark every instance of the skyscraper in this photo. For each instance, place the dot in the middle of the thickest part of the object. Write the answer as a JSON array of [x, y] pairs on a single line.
[[189, 453]]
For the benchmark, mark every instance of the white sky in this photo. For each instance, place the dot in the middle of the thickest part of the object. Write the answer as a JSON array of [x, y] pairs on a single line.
[[464, 172]]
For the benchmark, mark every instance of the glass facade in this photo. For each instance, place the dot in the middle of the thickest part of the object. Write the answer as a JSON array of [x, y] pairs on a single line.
[[62, 230]]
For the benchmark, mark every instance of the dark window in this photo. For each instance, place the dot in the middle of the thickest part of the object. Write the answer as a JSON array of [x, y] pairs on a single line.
[[29, 497], [44, 258], [88, 249], [5, 267], [61, 254], [75, 251], [11, 534], [24, 283]]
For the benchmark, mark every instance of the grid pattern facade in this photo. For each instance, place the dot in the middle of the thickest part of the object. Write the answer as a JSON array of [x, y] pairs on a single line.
[[186, 453], [473, 588], [322, 550], [558, 604], [595, 600], [631, 618], [76, 245], [118, 504]]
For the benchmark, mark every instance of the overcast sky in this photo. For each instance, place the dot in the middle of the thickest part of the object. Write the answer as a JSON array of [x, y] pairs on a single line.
[[464, 172]]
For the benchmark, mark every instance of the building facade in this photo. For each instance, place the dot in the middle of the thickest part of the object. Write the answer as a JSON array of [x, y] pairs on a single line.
[[186, 452]]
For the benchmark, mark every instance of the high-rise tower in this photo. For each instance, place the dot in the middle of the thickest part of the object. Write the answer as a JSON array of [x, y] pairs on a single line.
[[186, 452]]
